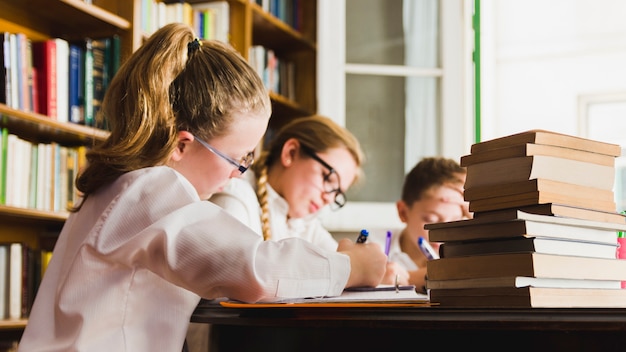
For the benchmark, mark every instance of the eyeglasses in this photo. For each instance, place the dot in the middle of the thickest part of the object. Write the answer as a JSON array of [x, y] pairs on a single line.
[[242, 165], [331, 180]]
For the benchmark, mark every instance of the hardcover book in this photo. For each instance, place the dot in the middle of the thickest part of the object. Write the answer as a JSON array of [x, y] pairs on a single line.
[[525, 225], [521, 281], [538, 136], [527, 264], [545, 245], [530, 149], [540, 167], [552, 209], [530, 297]]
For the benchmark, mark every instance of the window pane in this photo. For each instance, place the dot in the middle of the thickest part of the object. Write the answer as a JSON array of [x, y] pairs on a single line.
[[375, 115], [393, 32], [374, 33]]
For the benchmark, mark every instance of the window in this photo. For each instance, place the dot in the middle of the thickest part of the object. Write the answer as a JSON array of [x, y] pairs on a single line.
[[396, 73]]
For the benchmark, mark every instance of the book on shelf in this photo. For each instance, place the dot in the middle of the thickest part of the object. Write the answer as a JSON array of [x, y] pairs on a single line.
[[5, 69], [212, 20], [4, 147], [63, 64], [100, 49], [45, 62], [75, 84], [525, 225], [530, 297], [551, 209], [538, 136], [527, 264], [540, 166], [538, 185], [14, 57], [514, 281], [530, 149], [540, 197], [15, 281], [544, 245], [88, 86], [4, 280]]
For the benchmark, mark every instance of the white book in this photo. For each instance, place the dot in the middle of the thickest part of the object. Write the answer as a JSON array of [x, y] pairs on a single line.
[[63, 66], [4, 280], [41, 176], [15, 281]]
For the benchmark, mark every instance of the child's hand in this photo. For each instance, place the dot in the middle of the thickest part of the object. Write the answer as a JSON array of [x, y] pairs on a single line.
[[367, 262], [395, 270]]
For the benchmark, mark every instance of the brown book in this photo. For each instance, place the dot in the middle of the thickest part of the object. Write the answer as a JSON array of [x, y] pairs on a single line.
[[527, 264], [552, 209], [530, 297], [534, 198], [526, 225], [538, 136], [543, 167], [546, 245], [529, 149], [537, 185], [521, 281]]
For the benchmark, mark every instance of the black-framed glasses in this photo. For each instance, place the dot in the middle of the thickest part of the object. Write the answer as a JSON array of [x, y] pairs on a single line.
[[332, 181], [242, 165]]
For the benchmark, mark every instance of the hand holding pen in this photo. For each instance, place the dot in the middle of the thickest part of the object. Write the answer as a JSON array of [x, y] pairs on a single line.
[[362, 236], [427, 249], [367, 262]]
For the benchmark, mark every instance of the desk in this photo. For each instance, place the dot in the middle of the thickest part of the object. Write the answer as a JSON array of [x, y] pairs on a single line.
[[393, 329]]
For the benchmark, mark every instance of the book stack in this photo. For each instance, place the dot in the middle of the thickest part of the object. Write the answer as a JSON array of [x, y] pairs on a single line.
[[544, 232]]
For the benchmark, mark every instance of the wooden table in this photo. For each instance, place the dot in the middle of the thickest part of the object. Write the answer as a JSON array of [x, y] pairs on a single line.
[[392, 329]]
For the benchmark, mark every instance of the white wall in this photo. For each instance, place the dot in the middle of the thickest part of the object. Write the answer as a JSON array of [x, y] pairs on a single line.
[[541, 57]]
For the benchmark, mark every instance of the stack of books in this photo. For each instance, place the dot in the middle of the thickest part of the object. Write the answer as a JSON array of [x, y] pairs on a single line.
[[544, 232]]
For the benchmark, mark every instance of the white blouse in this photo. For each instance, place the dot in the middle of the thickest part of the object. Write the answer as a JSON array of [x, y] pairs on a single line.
[[239, 199], [130, 267]]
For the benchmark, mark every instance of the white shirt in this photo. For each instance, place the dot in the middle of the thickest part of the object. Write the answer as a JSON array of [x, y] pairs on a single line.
[[130, 267], [239, 199]]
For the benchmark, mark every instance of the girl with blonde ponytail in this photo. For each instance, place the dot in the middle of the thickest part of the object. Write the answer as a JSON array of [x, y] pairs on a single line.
[[135, 257]]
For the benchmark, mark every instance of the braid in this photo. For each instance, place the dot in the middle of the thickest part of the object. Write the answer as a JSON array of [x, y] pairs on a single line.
[[261, 194]]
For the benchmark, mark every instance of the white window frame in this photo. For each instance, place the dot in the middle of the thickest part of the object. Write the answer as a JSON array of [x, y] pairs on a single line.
[[456, 108]]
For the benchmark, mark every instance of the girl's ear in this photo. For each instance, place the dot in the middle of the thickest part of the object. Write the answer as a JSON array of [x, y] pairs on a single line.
[[185, 139], [289, 152], [402, 210]]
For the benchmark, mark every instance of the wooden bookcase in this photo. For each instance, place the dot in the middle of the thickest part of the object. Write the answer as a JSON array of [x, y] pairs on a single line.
[[75, 20]]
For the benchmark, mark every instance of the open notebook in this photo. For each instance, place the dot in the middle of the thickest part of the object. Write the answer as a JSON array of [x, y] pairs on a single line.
[[383, 295]]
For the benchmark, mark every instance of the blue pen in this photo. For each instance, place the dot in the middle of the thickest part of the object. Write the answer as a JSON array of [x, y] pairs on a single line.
[[427, 249], [388, 243], [362, 236]]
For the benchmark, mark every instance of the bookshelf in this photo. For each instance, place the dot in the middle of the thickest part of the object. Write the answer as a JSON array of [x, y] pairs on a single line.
[[252, 25], [75, 20]]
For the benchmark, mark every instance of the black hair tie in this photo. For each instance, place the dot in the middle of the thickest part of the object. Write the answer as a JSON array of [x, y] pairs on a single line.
[[193, 46]]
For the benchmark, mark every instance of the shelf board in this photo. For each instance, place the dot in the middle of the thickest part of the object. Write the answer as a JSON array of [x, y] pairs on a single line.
[[15, 214], [68, 19], [13, 323], [284, 110], [40, 128], [273, 33]]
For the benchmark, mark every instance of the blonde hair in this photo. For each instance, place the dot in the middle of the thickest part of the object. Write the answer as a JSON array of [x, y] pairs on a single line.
[[172, 83], [317, 133]]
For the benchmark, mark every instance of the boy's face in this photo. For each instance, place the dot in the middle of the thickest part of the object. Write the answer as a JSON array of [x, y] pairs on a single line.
[[439, 204], [207, 171]]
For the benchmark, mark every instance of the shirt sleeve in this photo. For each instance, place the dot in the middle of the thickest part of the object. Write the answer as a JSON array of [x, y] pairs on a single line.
[[196, 245]]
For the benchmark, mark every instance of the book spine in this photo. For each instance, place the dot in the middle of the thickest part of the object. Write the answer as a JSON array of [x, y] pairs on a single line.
[[88, 86], [74, 79]]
